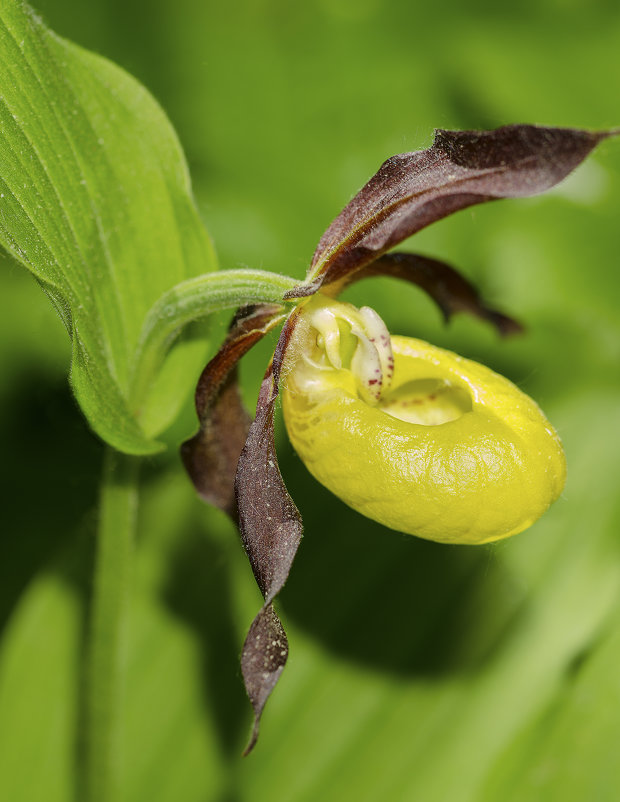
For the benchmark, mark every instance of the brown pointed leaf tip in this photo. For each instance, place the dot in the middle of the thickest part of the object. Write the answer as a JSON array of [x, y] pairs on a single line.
[[460, 169], [211, 456], [271, 530]]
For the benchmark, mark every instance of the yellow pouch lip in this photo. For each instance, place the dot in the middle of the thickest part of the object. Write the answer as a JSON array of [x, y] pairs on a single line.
[[484, 476]]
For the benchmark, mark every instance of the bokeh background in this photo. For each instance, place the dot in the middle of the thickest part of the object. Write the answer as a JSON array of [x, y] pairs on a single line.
[[417, 671]]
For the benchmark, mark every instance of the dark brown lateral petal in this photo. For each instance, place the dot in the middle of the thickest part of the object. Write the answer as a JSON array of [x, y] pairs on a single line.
[[461, 168], [271, 530], [211, 456], [451, 292]]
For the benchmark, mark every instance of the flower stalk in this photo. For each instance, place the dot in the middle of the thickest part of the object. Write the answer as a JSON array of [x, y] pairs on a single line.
[[108, 626]]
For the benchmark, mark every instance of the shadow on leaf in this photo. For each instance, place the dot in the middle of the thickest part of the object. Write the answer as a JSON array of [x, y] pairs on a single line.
[[49, 477]]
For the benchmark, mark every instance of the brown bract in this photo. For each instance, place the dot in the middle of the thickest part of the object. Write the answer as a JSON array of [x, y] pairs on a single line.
[[233, 463]]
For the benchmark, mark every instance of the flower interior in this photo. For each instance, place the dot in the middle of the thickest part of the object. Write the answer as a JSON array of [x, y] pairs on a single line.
[[352, 347]]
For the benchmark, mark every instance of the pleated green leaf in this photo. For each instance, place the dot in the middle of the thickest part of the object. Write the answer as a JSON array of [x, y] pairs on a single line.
[[95, 201]]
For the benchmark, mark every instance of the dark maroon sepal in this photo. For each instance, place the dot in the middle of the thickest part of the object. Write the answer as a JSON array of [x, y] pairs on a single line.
[[271, 530], [446, 286], [211, 456], [460, 169]]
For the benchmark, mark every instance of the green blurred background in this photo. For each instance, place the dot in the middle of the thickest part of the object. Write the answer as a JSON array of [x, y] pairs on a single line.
[[418, 672]]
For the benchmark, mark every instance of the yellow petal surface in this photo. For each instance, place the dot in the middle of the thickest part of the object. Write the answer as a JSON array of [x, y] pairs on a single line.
[[453, 452]]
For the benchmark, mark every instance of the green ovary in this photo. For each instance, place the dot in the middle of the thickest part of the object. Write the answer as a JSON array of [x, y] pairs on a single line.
[[451, 451]]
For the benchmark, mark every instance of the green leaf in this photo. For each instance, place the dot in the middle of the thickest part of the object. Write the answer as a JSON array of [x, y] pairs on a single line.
[[95, 200], [39, 674]]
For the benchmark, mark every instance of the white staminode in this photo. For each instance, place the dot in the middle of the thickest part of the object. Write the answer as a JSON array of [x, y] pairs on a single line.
[[328, 338], [372, 364]]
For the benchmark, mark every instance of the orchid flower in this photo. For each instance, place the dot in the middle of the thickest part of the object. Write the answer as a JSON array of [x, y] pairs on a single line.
[[411, 435]]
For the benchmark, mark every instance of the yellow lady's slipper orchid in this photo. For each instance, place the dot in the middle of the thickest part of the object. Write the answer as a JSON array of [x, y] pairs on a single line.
[[414, 436], [408, 434]]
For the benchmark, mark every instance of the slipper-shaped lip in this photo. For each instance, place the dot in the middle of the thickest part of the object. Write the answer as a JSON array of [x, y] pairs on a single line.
[[489, 471]]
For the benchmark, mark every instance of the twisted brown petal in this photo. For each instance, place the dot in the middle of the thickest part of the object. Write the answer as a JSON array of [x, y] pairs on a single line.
[[461, 168], [271, 531]]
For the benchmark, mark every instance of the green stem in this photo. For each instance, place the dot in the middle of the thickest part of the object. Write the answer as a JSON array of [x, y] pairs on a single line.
[[118, 504], [194, 299]]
